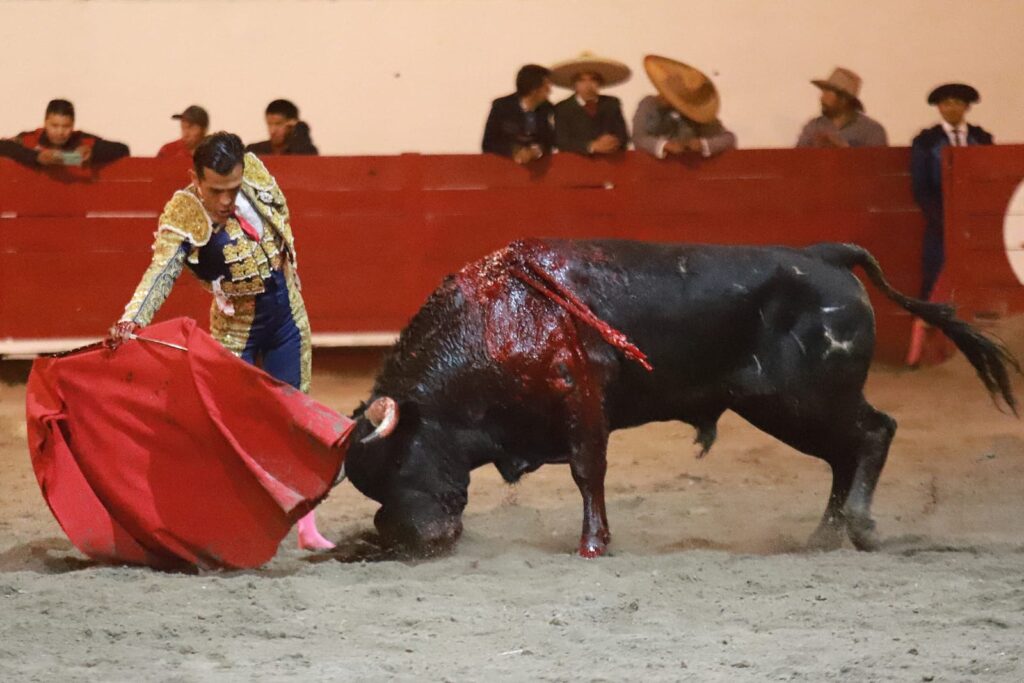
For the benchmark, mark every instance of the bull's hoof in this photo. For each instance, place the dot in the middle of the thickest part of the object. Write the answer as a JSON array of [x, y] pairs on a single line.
[[825, 538], [592, 547], [863, 535]]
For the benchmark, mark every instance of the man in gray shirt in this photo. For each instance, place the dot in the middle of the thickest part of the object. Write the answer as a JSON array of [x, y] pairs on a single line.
[[842, 122], [683, 117]]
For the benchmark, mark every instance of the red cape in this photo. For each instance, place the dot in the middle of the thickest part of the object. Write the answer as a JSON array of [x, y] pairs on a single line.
[[152, 455]]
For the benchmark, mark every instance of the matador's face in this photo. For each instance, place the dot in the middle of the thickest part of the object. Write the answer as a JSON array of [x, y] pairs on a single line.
[[218, 192]]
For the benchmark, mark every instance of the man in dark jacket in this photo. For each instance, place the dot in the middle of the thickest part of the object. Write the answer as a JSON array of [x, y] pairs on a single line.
[[519, 125], [57, 143], [288, 134], [953, 100], [588, 122]]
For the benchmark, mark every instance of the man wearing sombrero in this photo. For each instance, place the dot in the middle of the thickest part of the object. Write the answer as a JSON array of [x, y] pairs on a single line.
[[683, 117], [843, 122], [588, 122], [953, 100]]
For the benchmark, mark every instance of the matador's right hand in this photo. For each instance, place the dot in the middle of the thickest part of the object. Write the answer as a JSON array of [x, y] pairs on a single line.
[[121, 332]]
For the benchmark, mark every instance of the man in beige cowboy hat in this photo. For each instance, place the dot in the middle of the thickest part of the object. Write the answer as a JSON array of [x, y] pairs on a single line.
[[842, 122], [588, 122], [683, 117]]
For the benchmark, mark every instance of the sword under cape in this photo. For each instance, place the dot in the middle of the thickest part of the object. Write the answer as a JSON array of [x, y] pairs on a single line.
[[157, 341]]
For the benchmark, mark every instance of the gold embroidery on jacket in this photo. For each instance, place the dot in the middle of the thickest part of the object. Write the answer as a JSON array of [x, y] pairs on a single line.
[[158, 280], [184, 214]]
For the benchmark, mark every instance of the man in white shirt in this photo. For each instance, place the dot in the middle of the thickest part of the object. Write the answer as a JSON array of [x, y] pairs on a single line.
[[953, 100]]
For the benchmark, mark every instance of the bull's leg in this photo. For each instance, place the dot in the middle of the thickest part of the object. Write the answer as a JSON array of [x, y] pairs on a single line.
[[588, 434], [877, 429], [832, 528], [588, 462], [848, 434]]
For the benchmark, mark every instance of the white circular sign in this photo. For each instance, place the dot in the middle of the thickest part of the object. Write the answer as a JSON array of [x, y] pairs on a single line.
[[1013, 232]]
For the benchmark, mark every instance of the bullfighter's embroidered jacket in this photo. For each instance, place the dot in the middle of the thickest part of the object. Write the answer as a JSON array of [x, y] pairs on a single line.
[[226, 261]]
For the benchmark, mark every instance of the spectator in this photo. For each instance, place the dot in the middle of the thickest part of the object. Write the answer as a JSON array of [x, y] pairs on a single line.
[[288, 134], [842, 122], [683, 117], [57, 143], [519, 125], [953, 100], [194, 123], [588, 122]]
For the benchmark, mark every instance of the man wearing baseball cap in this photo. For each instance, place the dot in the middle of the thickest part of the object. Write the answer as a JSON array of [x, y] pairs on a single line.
[[843, 122], [194, 123]]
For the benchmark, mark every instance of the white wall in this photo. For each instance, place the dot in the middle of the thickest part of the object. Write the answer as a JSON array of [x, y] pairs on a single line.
[[387, 76]]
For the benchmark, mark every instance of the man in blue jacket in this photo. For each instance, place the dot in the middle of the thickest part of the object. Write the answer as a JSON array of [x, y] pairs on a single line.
[[953, 100], [519, 125]]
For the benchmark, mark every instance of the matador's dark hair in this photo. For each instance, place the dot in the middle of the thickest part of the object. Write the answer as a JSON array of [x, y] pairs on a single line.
[[219, 152]]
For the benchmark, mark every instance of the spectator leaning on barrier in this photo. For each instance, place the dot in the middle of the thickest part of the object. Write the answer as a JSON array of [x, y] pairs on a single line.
[[288, 134], [57, 143], [194, 124], [683, 117], [842, 122], [953, 100], [588, 122], [519, 125]]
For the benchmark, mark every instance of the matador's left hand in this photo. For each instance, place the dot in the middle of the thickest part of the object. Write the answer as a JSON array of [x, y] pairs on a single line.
[[121, 332]]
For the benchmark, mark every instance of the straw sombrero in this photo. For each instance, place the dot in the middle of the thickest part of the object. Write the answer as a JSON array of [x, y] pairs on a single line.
[[611, 71], [688, 90]]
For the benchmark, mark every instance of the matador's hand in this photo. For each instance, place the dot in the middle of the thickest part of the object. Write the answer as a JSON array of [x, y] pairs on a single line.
[[121, 332]]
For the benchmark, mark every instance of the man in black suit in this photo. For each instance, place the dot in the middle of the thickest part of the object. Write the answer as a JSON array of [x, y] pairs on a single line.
[[519, 125], [588, 122], [288, 133], [953, 100]]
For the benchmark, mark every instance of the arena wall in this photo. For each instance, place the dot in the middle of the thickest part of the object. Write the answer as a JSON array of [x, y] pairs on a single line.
[[377, 234]]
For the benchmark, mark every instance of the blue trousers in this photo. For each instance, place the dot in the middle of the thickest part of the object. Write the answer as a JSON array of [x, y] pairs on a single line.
[[275, 342]]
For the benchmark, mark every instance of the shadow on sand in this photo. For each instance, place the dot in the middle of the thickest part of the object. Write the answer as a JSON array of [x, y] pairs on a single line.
[[45, 556]]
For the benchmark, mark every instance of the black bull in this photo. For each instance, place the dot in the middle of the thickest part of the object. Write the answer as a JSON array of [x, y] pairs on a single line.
[[524, 358]]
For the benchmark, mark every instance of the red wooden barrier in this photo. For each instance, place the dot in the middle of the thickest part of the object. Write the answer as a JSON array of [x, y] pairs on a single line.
[[376, 234], [979, 182]]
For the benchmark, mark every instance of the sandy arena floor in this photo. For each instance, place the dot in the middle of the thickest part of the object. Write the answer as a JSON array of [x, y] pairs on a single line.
[[707, 581]]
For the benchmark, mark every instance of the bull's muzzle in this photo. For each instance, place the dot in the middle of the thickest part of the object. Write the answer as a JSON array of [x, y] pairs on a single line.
[[383, 415]]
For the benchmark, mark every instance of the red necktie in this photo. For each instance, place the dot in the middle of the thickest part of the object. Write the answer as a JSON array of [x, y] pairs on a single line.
[[591, 107], [247, 227]]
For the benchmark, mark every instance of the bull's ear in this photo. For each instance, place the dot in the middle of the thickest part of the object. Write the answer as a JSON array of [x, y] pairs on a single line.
[[383, 415]]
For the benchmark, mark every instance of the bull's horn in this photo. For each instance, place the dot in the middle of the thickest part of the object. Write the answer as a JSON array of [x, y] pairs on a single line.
[[382, 414]]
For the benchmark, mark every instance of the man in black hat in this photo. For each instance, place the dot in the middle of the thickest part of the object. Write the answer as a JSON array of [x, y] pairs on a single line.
[[953, 100], [194, 123]]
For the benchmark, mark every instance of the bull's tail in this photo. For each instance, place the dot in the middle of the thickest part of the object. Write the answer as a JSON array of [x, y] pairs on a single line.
[[989, 357]]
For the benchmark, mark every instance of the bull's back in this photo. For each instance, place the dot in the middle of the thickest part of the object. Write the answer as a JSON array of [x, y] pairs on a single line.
[[707, 316]]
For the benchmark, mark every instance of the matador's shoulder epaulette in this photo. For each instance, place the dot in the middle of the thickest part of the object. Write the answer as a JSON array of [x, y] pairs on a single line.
[[263, 184], [184, 215]]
